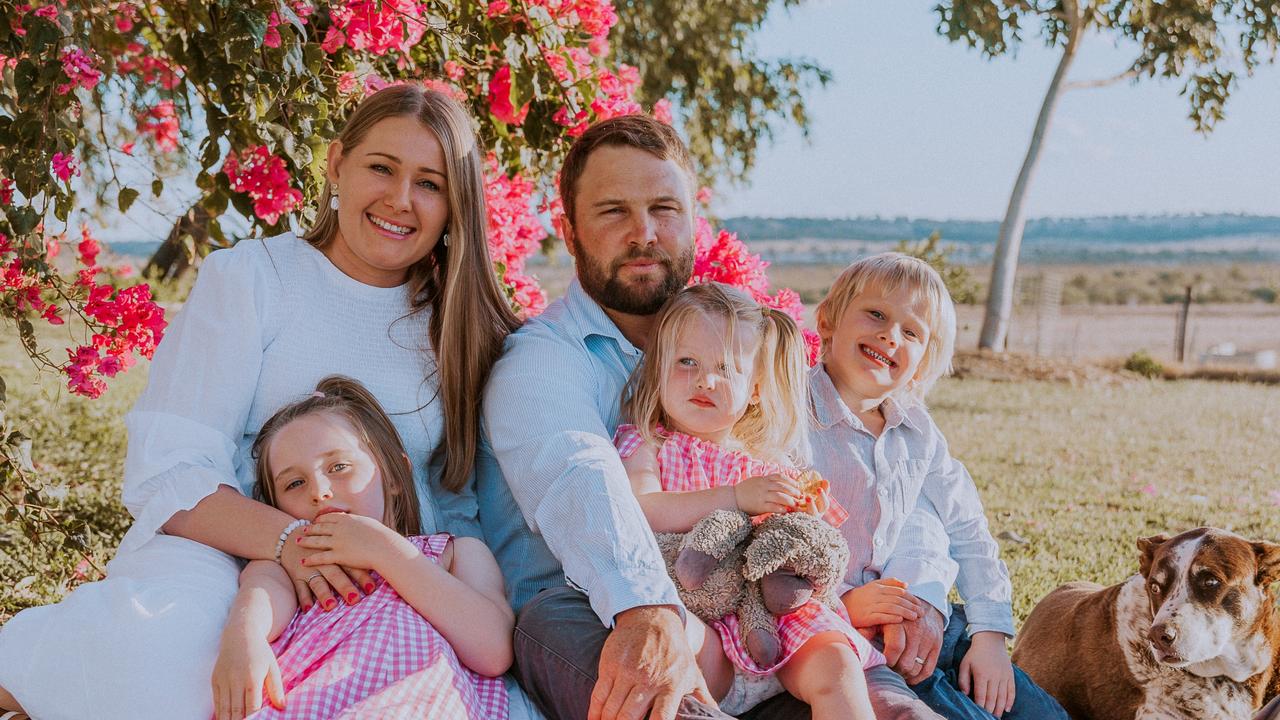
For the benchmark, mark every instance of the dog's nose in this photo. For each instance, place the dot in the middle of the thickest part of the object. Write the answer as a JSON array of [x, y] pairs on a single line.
[[1163, 635]]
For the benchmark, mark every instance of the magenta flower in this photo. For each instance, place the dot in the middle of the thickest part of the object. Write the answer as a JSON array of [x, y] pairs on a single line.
[[64, 166]]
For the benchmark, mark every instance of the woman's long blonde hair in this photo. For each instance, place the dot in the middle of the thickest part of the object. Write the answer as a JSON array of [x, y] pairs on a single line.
[[346, 397], [471, 315], [776, 427]]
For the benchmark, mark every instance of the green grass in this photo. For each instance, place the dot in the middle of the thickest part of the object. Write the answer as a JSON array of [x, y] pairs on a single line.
[[1062, 466]]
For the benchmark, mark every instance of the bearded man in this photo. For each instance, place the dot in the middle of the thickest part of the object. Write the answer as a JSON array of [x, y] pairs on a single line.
[[600, 632]]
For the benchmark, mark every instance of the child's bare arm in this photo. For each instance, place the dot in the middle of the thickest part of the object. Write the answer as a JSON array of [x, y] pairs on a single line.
[[246, 666], [670, 511], [462, 597]]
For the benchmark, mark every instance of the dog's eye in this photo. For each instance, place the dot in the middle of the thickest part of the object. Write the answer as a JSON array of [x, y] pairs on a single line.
[[1155, 588], [1210, 581]]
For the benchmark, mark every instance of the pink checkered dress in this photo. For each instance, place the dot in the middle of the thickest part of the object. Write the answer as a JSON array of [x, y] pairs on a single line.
[[378, 658], [687, 463]]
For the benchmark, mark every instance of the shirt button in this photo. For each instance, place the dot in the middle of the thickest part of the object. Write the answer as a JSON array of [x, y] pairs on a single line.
[[877, 542], [884, 491]]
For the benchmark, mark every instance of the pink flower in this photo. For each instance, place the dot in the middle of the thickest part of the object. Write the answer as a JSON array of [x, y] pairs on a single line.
[[161, 123], [80, 70], [128, 14], [124, 271], [347, 83], [515, 232], [64, 166], [703, 196], [51, 315], [378, 26], [453, 70], [88, 248], [52, 246], [264, 178], [48, 12], [500, 98], [498, 7], [662, 111], [6, 191], [127, 148], [598, 46]]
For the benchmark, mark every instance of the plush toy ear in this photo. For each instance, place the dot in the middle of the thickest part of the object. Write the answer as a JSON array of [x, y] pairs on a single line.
[[1268, 555], [1147, 547]]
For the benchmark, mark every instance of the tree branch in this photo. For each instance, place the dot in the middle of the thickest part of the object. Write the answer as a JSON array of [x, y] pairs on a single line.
[[1103, 82]]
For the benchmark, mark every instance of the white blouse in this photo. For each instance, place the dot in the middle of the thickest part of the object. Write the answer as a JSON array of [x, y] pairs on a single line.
[[266, 320]]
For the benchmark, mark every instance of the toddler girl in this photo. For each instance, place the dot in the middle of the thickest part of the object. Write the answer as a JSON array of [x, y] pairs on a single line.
[[434, 630], [719, 405]]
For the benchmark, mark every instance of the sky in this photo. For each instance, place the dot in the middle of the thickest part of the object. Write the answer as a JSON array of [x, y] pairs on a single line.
[[912, 125]]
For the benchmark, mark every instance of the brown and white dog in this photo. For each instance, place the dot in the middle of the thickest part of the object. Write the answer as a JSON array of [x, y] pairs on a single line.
[[1194, 635]]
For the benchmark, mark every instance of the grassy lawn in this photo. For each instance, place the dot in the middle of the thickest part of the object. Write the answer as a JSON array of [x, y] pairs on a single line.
[[1078, 472]]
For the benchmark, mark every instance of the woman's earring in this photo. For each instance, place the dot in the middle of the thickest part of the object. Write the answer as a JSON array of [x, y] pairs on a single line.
[[445, 237], [333, 196]]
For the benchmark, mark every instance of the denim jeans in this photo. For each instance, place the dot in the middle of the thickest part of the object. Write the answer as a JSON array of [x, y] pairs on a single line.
[[558, 640], [941, 690]]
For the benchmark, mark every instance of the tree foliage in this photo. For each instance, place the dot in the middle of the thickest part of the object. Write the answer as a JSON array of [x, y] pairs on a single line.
[[701, 56], [1207, 43], [244, 97]]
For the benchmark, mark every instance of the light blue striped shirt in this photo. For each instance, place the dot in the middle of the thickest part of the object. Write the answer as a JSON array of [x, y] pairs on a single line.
[[915, 514], [550, 410]]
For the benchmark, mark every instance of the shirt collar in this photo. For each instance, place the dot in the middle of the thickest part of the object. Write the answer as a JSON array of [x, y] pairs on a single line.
[[592, 320], [830, 409]]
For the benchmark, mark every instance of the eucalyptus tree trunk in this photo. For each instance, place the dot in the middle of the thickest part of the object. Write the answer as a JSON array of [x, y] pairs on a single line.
[[995, 325]]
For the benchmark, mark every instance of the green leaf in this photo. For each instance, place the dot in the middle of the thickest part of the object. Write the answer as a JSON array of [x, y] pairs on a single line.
[[23, 220], [126, 197], [157, 187]]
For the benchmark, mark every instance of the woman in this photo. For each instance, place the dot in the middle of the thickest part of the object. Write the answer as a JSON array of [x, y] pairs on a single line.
[[394, 287]]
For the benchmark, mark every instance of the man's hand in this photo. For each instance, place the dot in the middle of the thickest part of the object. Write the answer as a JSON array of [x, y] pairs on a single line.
[[646, 663], [911, 647]]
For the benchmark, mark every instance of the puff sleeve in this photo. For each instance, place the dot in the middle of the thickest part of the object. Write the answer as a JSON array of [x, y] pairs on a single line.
[[184, 429]]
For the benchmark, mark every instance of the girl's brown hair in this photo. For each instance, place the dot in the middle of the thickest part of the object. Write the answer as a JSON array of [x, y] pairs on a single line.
[[346, 397], [776, 427], [471, 315]]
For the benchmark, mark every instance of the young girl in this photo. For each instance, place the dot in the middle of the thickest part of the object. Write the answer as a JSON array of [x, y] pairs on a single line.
[[888, 333], [434, 630], [719, 406]]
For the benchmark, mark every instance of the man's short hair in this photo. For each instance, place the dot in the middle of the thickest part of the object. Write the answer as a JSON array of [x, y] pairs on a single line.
[[638, 131]]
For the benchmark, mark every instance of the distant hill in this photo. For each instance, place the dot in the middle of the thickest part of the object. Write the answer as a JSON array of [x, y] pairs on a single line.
[[1162, 238]]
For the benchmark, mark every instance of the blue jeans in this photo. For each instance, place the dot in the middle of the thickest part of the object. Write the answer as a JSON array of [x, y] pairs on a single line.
[[941, 692]]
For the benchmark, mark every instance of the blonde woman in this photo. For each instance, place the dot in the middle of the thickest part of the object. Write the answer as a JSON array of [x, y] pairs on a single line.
[[393, 286]]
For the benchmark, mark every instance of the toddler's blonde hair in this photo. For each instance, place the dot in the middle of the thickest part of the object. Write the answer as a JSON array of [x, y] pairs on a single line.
[[890, 272], [773, 429]]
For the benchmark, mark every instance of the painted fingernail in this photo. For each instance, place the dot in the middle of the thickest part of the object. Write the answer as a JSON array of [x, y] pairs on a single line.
[[368, 588], [352, 598], [330, 604], [298, 539]]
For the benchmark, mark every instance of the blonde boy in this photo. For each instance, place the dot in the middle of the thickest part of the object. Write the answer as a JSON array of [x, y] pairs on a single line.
[[888, 334]]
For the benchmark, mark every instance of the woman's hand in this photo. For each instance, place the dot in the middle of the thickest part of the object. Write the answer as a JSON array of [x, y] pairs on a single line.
[[986, 673], [245, 670], [880, 602], [766, 494], [353, 541], [318, 582]]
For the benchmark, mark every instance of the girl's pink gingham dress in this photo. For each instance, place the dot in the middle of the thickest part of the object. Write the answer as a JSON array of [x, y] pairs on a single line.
[[378, 659], [687, 463]]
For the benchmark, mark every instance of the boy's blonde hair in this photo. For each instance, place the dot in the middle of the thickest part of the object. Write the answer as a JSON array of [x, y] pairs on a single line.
[[892, 271], [346, 397], [773, 429]]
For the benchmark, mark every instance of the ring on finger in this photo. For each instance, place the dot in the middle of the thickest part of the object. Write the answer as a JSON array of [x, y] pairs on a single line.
[[313, 576], [919, 660]]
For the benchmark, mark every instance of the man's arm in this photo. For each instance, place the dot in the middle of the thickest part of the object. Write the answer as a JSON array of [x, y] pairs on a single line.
[[555, 450], [921, 557]]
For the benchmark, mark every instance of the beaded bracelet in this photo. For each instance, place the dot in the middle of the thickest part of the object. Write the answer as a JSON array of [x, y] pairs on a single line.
[[284, 535]]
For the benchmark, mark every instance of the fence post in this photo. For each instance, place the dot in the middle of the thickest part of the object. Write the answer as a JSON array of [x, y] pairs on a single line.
[[1180, 339]]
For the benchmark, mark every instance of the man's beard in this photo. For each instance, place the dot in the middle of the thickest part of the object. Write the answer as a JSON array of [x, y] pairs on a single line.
[[604, 286]]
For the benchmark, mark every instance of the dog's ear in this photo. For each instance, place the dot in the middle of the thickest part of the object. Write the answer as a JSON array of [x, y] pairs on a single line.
[[1147, 546], [1268, 555]]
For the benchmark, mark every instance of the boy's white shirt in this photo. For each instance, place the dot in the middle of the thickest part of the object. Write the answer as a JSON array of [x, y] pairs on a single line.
[[915, 511]]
